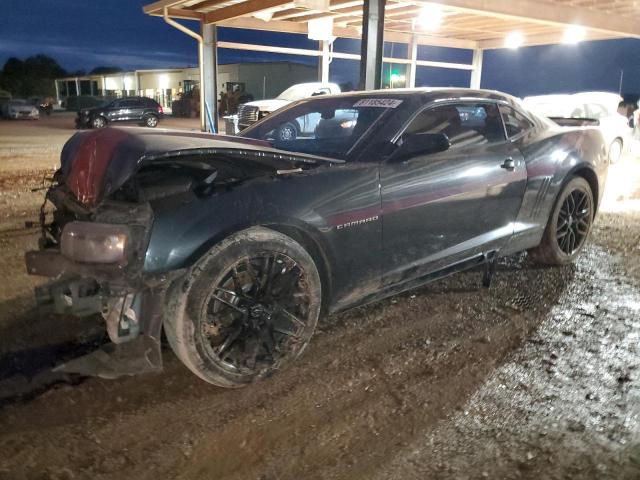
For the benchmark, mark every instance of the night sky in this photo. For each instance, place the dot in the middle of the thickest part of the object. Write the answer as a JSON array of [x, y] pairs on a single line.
[[83, 34]]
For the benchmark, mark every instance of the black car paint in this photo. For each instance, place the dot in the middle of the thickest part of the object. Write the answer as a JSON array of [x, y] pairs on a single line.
[[121, 110], [373, 224]]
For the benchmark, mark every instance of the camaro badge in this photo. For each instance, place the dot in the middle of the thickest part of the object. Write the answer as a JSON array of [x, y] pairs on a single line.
[[357, 222]]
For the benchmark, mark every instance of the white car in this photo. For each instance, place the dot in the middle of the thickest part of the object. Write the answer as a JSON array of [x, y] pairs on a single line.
[[17, 108], [251, 112], [601, 106]]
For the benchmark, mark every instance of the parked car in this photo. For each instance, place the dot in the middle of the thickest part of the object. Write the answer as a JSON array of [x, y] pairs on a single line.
[[4, 98], [251, 112], [236, 245], [599, 106], [18, 108], [141, 110]]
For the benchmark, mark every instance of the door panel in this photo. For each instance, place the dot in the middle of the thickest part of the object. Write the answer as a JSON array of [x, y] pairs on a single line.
[[443, 208]]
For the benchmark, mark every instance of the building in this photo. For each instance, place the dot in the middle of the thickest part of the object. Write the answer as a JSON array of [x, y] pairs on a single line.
[[260, 79]]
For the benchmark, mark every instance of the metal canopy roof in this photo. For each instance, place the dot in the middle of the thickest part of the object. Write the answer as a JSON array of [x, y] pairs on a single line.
[[474, 24]]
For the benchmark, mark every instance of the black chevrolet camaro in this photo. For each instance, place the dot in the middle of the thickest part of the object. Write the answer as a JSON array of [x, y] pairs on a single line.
[[237, 245]]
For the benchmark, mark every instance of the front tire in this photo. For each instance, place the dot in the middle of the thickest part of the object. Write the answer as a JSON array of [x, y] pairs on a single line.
[[246, 309], [568, 226], [99, 122]]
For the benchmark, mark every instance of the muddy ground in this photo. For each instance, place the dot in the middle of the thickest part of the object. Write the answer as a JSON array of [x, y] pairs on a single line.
[[537, 377]]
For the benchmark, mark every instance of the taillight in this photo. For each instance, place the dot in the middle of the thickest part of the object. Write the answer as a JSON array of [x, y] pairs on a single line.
[[160, 109]]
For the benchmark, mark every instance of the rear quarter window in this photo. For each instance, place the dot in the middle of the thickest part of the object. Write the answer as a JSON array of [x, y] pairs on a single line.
[[515, 122]]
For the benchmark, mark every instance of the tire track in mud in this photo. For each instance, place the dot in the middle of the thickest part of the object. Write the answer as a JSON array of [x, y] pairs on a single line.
[[372, 380], [565, 405]]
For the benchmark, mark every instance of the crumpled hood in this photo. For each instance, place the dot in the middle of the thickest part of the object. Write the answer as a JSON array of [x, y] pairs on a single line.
[[96, 163]]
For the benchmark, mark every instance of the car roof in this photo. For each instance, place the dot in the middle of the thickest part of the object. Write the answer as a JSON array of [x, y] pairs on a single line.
[[135, 98], [432, 93]]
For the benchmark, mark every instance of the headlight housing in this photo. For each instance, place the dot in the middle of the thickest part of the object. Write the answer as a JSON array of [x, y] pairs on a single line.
[[89, 242]]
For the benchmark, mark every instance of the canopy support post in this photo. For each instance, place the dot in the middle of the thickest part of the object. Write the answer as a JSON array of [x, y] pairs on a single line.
[[476, 73], [371, 48], [209, 87]]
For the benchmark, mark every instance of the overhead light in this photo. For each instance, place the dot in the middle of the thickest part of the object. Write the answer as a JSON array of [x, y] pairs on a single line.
[[264, 15], [320, 29], [514, 40], [574, 34], [429, 18]]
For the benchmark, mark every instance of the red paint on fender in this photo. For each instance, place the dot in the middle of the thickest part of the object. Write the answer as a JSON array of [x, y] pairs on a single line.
[[90, 163]]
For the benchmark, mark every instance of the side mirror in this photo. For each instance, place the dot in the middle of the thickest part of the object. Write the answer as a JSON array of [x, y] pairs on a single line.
[[421, 144]]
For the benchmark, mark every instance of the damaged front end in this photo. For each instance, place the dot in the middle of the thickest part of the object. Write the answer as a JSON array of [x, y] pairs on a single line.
[[94, 257], [93, 249], [98, 222]]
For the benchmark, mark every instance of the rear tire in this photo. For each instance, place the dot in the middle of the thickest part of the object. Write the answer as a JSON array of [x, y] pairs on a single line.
[[615, 150], [568, 226], [151, 121], [247, 308]]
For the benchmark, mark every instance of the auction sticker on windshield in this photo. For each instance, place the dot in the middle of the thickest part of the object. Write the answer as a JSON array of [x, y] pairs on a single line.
[[378, 102]]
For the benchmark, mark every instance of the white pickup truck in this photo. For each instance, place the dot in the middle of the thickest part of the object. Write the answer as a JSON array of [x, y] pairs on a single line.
[[251, 112]]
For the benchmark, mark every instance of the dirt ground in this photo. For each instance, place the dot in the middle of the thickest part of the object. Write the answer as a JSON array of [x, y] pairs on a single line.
[[536, 377]]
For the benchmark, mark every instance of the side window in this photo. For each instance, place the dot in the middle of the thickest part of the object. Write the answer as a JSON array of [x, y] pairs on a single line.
[[465, 124], [514, 122]]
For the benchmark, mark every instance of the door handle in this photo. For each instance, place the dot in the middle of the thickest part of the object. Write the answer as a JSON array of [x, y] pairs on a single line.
[[509, 164]]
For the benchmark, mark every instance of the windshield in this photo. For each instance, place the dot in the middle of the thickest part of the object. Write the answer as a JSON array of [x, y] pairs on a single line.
[[330, 127], [17, 102]]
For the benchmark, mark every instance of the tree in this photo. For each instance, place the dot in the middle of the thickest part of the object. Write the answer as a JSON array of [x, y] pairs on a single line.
[[31, 77]]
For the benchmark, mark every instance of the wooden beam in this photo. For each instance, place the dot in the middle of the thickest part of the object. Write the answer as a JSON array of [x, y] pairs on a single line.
[[547, 13], [174, 12], [204, 5], [345, 56], [301, 28], [334, 6], [544, 39], [158, 7], [247, 7]]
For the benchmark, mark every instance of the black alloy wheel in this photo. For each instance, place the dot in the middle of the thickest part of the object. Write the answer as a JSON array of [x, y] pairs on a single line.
[[248, 307], [568, 225], [574, 221], [257, 313]]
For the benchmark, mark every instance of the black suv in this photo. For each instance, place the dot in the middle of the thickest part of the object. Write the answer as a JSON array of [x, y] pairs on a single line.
[[142, 110]]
